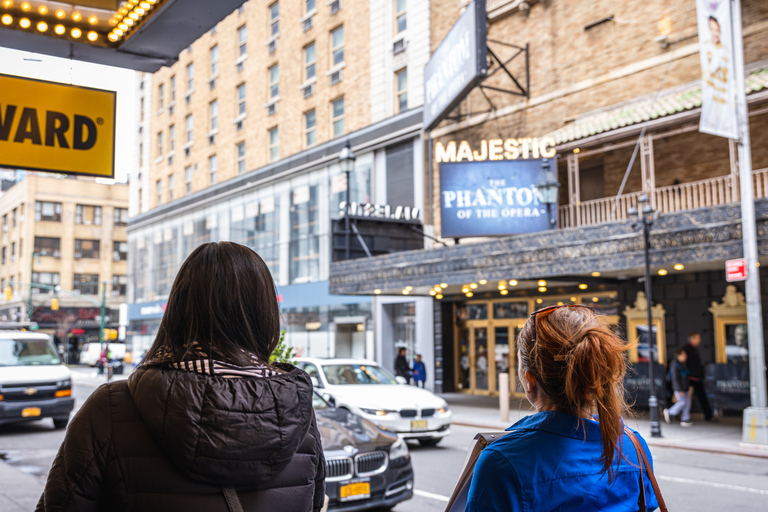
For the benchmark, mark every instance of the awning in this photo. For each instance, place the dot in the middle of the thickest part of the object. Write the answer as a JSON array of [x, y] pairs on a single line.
[[672, 101]]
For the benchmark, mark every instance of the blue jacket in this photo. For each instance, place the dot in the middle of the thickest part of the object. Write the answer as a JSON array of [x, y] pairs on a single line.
[[419, 371], [545, 464]]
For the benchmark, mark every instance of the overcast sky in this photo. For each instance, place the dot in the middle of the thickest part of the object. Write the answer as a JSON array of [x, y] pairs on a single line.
[[54, 69]]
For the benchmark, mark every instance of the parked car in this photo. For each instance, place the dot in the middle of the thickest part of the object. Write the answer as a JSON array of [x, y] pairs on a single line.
[[366, 466], [368, 390], [34, 383]]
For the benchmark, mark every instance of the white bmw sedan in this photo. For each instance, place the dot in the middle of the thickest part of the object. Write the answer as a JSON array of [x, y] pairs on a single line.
[[365, 388]]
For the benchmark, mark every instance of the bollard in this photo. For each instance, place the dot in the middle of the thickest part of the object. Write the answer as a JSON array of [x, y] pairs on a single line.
[[504, 396]]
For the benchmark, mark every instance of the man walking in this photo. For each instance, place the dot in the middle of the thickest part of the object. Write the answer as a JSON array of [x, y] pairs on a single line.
[[419, 372], [679, 376], [696, 373], [402, 369]]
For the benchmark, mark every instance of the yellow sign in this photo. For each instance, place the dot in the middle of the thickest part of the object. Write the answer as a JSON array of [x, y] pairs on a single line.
[[495, 149], [46, 126]]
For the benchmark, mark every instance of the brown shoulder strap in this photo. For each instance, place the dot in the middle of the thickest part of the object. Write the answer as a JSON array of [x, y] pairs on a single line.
[[642, 457], [233, 502]]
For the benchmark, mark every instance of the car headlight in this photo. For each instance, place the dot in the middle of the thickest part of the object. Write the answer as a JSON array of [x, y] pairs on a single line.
[[399, 449], [64, 384], [375, 412], [443, 408]]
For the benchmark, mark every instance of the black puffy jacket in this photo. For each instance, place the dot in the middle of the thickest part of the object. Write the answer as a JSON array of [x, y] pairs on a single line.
[[168, 440]]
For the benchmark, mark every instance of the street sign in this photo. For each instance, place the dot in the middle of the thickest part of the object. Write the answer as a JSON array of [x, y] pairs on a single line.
[[736, 270], [47, 126]]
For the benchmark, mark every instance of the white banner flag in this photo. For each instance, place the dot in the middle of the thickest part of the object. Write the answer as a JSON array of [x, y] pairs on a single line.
[[718, 104]]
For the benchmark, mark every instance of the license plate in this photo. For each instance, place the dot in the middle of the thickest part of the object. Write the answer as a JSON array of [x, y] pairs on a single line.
[[30, 412], [355, 491], [418, 425]]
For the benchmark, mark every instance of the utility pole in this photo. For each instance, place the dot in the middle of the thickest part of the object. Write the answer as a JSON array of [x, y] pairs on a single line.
[[755, 422], [101, 330], [31, 271]]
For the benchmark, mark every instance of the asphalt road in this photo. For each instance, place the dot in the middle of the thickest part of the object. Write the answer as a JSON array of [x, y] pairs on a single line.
[[691, 481]]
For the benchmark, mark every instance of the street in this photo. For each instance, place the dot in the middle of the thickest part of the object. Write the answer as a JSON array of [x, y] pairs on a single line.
[[690, 480]]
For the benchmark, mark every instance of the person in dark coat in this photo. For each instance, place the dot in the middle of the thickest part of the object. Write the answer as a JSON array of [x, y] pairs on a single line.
[[402, 368], [678, 374], [205, 421], [696, 373]]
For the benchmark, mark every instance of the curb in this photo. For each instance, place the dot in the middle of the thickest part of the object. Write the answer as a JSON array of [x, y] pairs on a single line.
[[745, 452]]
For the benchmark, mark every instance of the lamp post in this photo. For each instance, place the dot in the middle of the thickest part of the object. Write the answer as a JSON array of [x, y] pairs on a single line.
[[31, 271], [645, 217], [347, 164], [548, 188]]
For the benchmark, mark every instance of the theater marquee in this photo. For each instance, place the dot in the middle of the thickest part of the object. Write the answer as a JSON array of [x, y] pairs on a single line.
[[495, 150]]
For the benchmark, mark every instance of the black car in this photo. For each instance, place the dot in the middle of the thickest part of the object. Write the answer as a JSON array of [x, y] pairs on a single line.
[[366, 466]]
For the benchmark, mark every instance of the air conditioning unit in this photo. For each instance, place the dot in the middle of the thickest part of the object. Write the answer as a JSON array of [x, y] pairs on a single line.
[[335, 6], [309, 90], [239, 125], [188, 97], [170, 111], [170, 160], [307, 23], [272, 46], [211, 139], [212, 83], [399, 46], [336, 77], [272, 109], [186, 151], [240, 66]]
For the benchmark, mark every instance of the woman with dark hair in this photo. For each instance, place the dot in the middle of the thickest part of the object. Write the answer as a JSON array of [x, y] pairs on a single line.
[[205, 422], [573, 454]]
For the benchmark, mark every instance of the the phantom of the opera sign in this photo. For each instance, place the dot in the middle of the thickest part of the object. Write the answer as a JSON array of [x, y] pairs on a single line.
[[489, 198]]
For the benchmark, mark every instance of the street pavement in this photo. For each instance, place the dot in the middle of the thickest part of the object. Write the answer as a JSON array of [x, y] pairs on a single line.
[[708, 473]]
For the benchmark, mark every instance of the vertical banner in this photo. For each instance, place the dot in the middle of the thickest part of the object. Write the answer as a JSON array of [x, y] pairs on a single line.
[[718, 104]]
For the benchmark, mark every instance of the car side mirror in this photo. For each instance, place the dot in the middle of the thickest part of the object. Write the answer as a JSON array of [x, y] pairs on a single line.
[[401, 380], [330, 399], [315, 382]]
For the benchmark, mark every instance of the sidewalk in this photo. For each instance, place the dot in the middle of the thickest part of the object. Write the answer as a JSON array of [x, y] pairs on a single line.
[[20, 491], [722, 437], [85, 376]]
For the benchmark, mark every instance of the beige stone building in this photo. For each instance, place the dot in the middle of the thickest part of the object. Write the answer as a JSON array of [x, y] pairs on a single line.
[[74, 228]]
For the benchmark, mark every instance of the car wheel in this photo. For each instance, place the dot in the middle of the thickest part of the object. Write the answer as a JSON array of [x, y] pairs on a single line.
[[430, 441], [60, 423]]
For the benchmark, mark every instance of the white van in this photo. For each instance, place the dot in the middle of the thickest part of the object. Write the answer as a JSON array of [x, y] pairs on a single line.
[[34, 383]]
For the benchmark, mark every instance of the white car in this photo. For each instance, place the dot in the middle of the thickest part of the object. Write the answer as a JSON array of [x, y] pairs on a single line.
[[365, 388]]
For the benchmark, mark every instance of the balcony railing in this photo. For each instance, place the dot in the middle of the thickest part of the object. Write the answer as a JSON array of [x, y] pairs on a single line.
[[676, 198]]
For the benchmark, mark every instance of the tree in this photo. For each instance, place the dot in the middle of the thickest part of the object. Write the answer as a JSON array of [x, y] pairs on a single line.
[[283, 353]]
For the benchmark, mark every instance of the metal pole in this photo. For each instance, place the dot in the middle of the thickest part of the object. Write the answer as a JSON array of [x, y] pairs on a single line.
[[346, 222], [757, 413], [101, 330], [31, 270], [653, 403], [504, 396]]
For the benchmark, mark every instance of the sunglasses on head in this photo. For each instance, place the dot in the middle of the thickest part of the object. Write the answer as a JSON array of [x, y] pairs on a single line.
[[549, 309]]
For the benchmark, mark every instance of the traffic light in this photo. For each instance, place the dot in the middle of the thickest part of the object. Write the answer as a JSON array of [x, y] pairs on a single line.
[[55, 304], [8, 293]]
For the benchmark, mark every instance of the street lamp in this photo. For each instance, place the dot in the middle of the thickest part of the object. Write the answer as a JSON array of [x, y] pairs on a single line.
[[347, 164], [645, 217], [548, 188]]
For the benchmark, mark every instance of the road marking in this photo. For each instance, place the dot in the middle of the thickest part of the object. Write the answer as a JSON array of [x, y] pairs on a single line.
[[713, 484], [431, 495]]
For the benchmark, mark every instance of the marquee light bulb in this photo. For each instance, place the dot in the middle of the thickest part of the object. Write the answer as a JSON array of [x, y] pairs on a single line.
[[469, 294], [76, 32], [128, 21], [542, 282], [443, 285], [7, 3], [439, 296], [377, 291], [59, 29], [25, 6], [504, 292], [77, 16], [662, 272], [7, 19], [60, 14], [133, 16], [542, 289], [583, 286], [139, 11], [595, 274], [473, 286], [513, 282], [92, 36], [123, 27], [24, 23], [42, 26], [145, 5], [118, 32], [93, 20], [42, 9]]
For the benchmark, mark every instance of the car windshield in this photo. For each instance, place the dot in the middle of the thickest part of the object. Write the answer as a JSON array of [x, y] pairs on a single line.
[[318, 402], [27, 353], [338, 374]]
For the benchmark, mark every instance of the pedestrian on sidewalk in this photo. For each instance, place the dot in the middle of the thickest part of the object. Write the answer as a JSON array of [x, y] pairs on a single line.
[[205, 421], [696, 373], [419, 372], [678, 374], [573, 454], [402, 368]]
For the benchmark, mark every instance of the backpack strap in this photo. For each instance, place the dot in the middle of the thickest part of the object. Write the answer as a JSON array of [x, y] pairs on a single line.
[[233, 502]]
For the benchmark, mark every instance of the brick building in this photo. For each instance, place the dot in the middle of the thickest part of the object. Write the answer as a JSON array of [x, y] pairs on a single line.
[[599, 76]]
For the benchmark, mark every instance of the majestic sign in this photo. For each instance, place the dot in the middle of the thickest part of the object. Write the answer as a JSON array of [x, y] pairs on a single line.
[[495, 149], [45, 126], [457, 66], [492, 198], [718, 104], [382, 211]]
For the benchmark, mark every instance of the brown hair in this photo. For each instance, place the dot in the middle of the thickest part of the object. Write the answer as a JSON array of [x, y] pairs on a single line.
[[579, 363], [223, 299]]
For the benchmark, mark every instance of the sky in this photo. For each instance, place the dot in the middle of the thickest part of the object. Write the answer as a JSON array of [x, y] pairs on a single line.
[[55, 69]]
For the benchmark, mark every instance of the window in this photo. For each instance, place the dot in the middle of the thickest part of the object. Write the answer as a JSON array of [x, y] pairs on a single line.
[[172, 138], [242, 39], [240, 152], [139, 201], [401, 78], [13, 251], [400, 16], [213, 165], [310, 5], [46, 278], [337, 114], [88, 215], [5, 222], [274, 141], [50, 246], [214, 109], [241, 100], [87, 249], [161, 96], [337, 45], [141, 110], [190, 125], [309, 61], [274, 79], [14, 217], [119, 285], [171, 186], [159, 144], [274, 18], [121, 217], [188, 178], [86, 284], [310, 130], [45, 211], [173, 89], [119, 251], [159, 191], [190, 77], [214, 61], [4, 251]]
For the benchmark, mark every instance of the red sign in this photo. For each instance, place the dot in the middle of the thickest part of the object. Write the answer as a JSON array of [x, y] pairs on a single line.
[[736, 270]]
